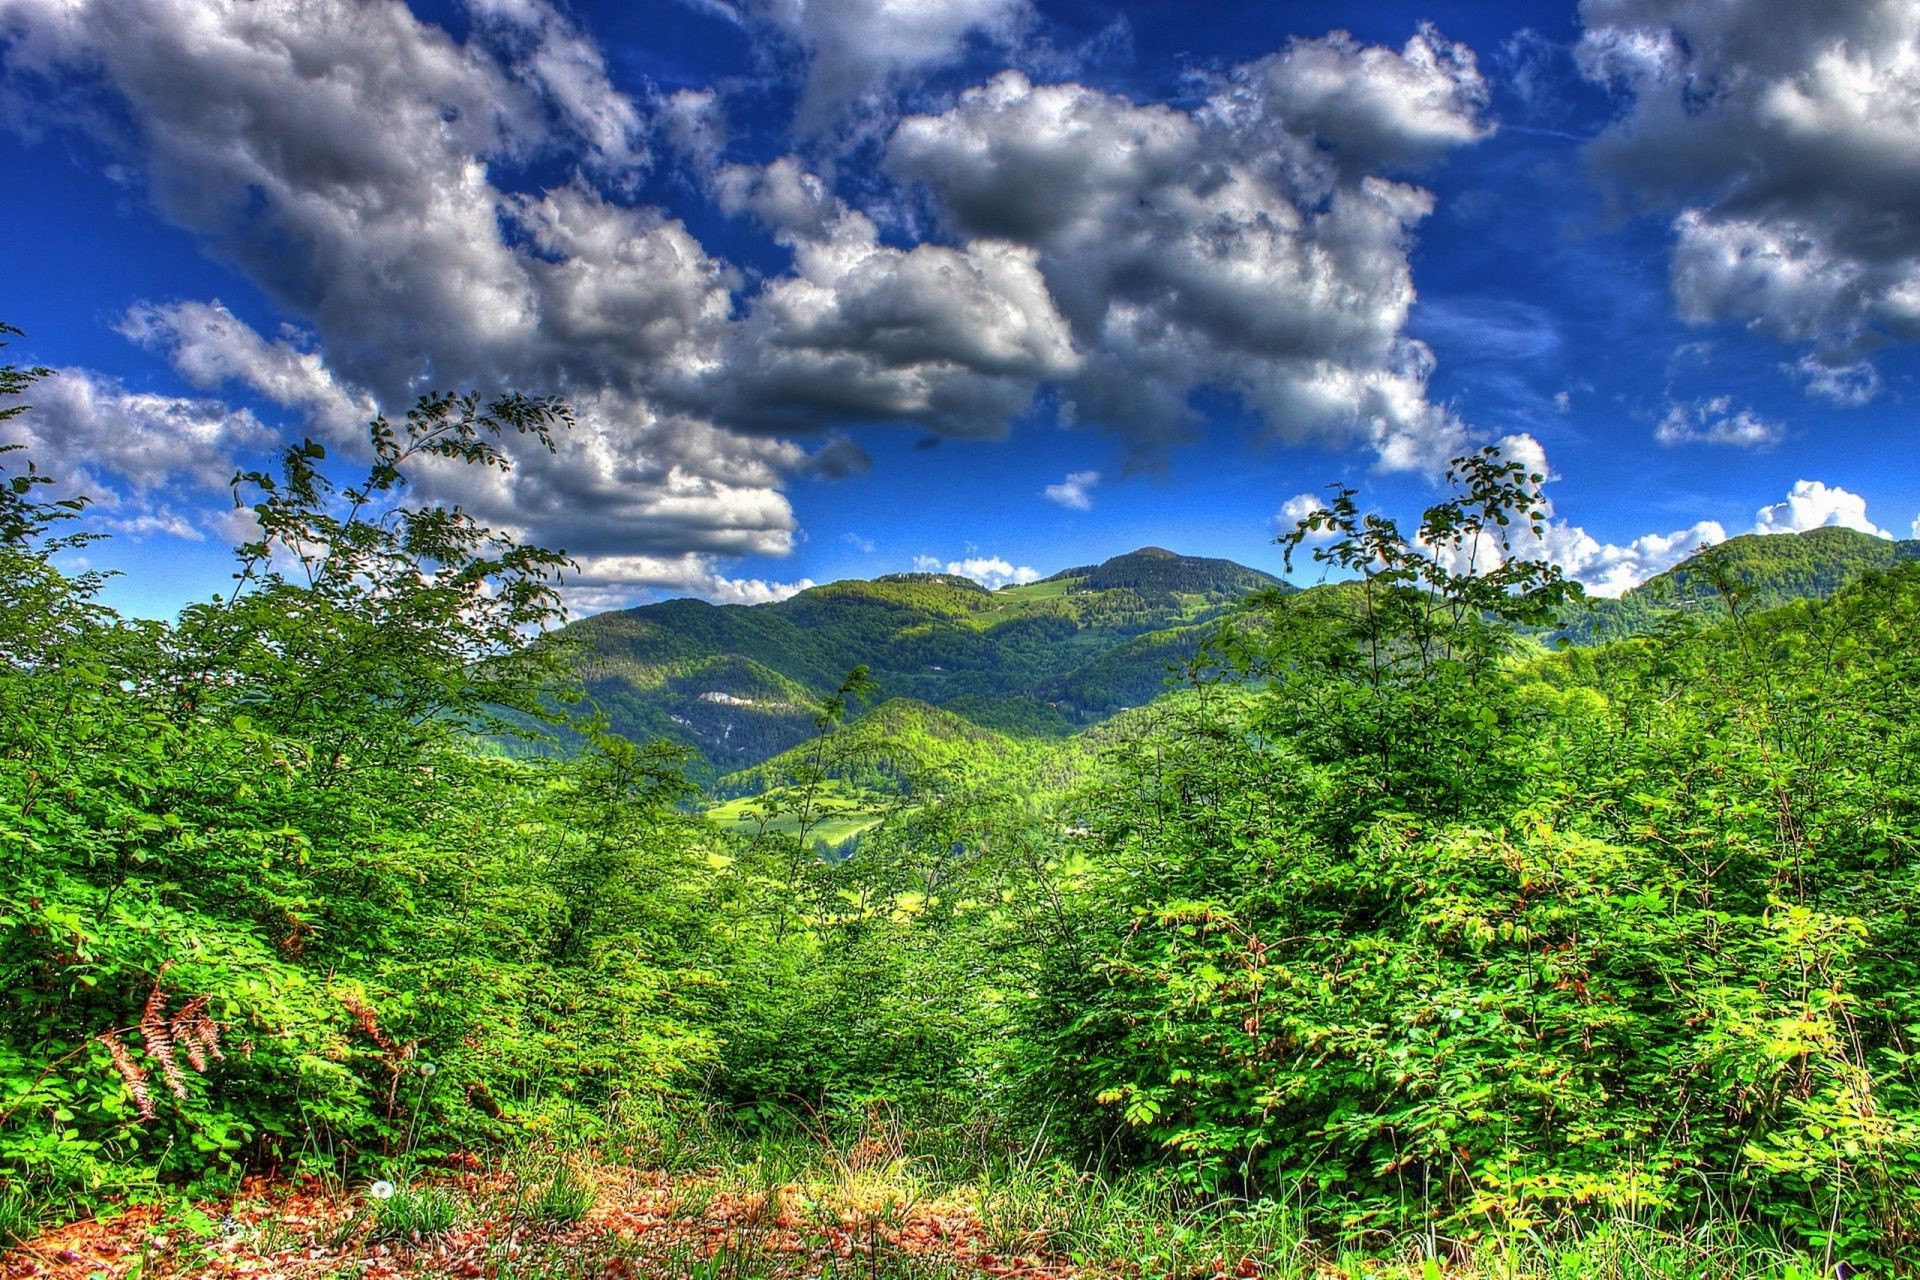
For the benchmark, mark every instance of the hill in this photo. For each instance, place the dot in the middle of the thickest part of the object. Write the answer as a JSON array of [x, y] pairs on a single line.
[[1767, 569], [741, 683]]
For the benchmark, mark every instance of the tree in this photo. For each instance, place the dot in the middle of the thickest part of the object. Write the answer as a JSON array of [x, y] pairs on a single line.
[[366, 626], [1390, 667]]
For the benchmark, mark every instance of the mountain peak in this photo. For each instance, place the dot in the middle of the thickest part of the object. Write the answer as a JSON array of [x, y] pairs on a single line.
[[1152, 553]]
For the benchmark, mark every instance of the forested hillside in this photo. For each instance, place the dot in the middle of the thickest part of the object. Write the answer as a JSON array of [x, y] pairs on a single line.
[[1751, 572], [1389, 944], [738, 684]]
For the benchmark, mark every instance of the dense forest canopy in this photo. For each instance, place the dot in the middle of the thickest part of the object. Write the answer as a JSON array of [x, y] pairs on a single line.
[[1389, 912]]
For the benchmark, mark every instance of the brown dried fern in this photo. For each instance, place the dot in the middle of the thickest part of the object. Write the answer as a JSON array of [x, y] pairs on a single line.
[[157, 1032], [130, 1071], [190, 1032]]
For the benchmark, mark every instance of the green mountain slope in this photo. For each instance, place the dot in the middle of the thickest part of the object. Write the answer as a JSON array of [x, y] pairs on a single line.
[[897, 742], [1767, 570], [740, 684]]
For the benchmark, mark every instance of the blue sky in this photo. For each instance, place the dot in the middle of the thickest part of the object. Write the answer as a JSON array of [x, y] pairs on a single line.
[[846, 287]]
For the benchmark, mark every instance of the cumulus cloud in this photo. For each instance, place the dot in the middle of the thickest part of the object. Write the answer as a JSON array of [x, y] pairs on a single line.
[[341, 154], [954, 339], [1787, 138], [138, 456], [1074, 492], [1247, 243], [991, 572], [1372, 105], [857, 47], [355, 163], [1811, 504], [1608, 570], [1716, 421]]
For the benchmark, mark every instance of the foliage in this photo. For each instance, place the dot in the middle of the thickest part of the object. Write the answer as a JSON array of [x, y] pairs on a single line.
[[1392, 929], [262, 905]]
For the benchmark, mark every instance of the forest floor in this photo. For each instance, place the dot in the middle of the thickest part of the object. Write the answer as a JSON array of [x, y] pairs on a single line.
[[631, 1223], [564, 1215]]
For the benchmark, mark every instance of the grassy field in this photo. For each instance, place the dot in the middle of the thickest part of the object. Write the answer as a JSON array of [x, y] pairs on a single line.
[[843, 813]]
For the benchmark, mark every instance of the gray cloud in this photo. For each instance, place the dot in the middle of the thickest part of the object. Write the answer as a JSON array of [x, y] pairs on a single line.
[[1787, 136], [1233, 245], [345, 156]]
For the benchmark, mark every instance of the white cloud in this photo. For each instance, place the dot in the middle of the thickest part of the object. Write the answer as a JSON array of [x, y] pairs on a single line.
[[1716, 421], [1842, 384], [211, 348], [1609, 570], [991, 572], [1811, 504], [1786, 138], [138, 456], [858, 47], [83, 423], [858, 542], [1074, 491], [622, 581]]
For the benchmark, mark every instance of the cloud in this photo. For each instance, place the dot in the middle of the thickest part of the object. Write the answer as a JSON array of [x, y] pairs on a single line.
[[1845, 384], [856, 48], [138, 456], [211, 348], [1810, 504], [342, 156], [1374, 106], [1247, 243], [1786, 138], [991, 572], [1609, 570], [858, 542], [544, 51], [1715, 421], [954, 339], [1298, 508], [619, 582], [358, 165], [1073, 492]]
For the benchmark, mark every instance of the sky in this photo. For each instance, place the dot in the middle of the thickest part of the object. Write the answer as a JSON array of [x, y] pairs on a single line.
[[838, 288]]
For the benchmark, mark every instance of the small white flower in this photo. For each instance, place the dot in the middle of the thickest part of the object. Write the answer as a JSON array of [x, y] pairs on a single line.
[[428, 1069], [381, 1190]]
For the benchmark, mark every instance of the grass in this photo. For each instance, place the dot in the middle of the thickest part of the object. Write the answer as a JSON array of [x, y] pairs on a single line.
[[20, 1216], [862, 1200], [412, 1212], [847, 811]]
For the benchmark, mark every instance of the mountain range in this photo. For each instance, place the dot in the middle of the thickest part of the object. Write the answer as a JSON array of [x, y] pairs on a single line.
[[957, 664]]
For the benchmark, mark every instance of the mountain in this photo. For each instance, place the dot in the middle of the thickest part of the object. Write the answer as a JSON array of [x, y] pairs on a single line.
[[742, 683], [1766, 569]]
